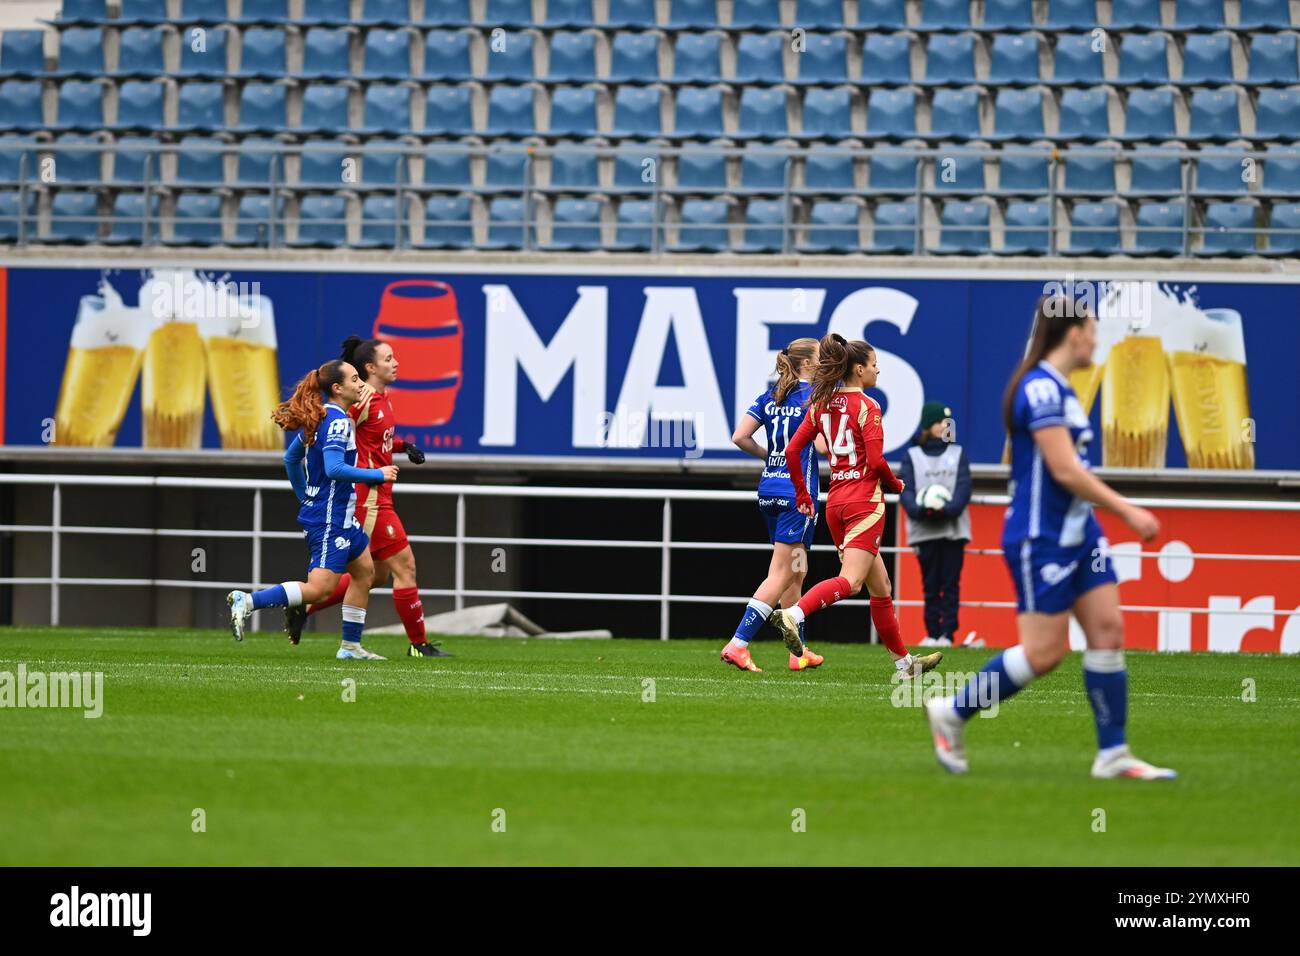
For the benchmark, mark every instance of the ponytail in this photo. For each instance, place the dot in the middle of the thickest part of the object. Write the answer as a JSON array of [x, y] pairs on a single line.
[[788, 361], [305, 408], [359, 352], [1054, 316], [838, 356]]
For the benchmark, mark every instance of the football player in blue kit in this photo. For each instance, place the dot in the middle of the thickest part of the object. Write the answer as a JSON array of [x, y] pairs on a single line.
[[780, 410], [1055, 551], [326, 488]]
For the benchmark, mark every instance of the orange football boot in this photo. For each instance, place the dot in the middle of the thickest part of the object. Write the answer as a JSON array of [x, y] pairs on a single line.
[[805, 660], [731, 654]]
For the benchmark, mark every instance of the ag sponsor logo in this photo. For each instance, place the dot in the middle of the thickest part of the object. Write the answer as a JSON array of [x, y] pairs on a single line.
[[846, 474]]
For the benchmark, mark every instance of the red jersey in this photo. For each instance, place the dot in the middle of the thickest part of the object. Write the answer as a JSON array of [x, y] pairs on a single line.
[[376, 442], [855, 438]]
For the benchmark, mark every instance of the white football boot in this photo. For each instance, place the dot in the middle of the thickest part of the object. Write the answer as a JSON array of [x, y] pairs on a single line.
[[1121, 763], [948, 731], [352, 651], [241, 609]]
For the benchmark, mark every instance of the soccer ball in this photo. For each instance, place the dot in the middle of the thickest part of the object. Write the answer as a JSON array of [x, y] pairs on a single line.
[[934, 496]]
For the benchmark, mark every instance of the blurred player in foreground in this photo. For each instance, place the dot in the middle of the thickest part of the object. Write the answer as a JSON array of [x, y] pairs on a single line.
[[335, 540], [849, 420], [780, 410], [1055, 551], [391, 552]]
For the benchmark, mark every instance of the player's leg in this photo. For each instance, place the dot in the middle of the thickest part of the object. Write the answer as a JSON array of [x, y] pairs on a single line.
[[395, 560], [362, 568], [289, 594], [885, 619], [780, 570], [809, 658]]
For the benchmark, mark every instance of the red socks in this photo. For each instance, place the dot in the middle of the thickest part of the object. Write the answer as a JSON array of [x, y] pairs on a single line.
[[411, 611], [824, 594], [882, 615], [340, 589]]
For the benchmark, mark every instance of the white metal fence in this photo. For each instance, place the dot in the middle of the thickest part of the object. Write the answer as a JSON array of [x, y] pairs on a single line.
[[665, 543]]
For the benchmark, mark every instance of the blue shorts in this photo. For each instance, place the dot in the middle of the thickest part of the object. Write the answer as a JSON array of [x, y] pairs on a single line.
[[785, 524], [1050, 578], [337, 549]]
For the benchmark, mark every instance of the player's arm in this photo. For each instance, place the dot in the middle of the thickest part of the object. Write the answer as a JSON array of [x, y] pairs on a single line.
[[337, 469], [794, 452], [294, 456], [1064, 465], [743, 436]]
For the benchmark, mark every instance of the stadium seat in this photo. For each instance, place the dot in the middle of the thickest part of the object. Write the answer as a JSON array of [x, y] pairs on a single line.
[[263, 54], [447, 169], [764, 226], [575, 171], [507, 223], [199, 162], [692, 14], [254, 221], [945, 15], [1159, 228], [1013, 59], [1076, 62], [830, 172], [381, 225], [14, 222], [1198, 14], [1135, 14], [637, 112], [963, 171], [1283, 232], [1094, 228], [1149, 114], [387, 55], [80, 105], [203, 54], [881, 15], [1143, 58], [1277, 114], [756, 15], [20, 105], [386, 109], [257, 168], [140, 106], [1084, 114], [322, 222], [206, 11], [697, 58], [1229, 229], [1221, 174], [1072, 15], [955, 114], [81, 53], [446, 55], [575, 224], [819, 14], [140, 52], [894, 228], [264, 12], [1023, 173], [1089, 173], [762, 114], [506, 172], [631, 14], [197, 220], [325, 108], [702, 226], [635, 229], [321, 164], [763, 172], [19, 159], [1214, 114], [886, 59], [890, 114], [759, 58], [263, 108], [950, 58], [74, 217], [1281, 172], [1026, 227], [135, 160], [1273, 59], [826, 113], [1008, 15], [573, 58], [825, 58], [514, 59], [1264, 15], [78, 166], [1207, 59], [636, 170], [833, 227], [132, 221], [569, 14], [385, 13], [964, 228], [512, 14], [448, 223], [698, 112], [511, 111], [448, 111], [573, 112], [326, 54], [74, 12], [1157, 172], [446, 13], [890, 172], [201, 107], [700, 170], [634, 58], [22, 53], [1018, 114]]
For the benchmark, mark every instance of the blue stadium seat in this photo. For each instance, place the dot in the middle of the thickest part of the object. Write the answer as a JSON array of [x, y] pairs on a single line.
[[1283, 232], [386, 13], [81, 52], [1214, 114], [1072, 15], [203, 52], [894, 228], [833, 227], [197, 220], [1076, 62], [964, 228], [1221, 174], [74, 12], [820, 14], [265, 12], [890, 172], [1089, 173], [1135, 14], [877, 15], [762, 172], [1022, 173], [1198, 14], [1207, 59], [573, 58], [945, 15], [1084, 114], [10, 216], [133, 221], [573, 112], [448, 223], [1008, 15], [386, 109], [575, 171], [764, 226], [446, 13], [263, 108], [637, 112], [635, 228], [140, 105], [890, 114], [447, 169], [511, 111], [700, 170], [141, 52], [1094, 228], [513, 14], [199, 162], [1018, 114], [1026, 226], [692, 14], [950, 58], [698, 112], [20, 105], [22, 53], [825, 59], [135, 161], [1013, 59], [569, 14], [1144, 58], [201, 106], [1273, 59], [74, 217], [506, 172], [1157, 172], [758, 58], [575, 224], [762, 114], [1229, 229], [264, 53], [697, 58], [257, 168], [255, 221], [381, 225], [1281, 169], [636, 171], [1264, 14], [830, 172], [322, 222], [383, 168], [19, 158], [446, 55], [634, 58], [507, 222], [204, 12], [1277, 114], [514, 59], [827, 113], [321, 164], [756, 15], [955, 114], [886, 59], [325, 54], [633, 14], [387, 55], [1159, 228], [325, 108], [702, 226], [1149, 114], [78, 166], [80, 105], [448, 111], [961, 172]]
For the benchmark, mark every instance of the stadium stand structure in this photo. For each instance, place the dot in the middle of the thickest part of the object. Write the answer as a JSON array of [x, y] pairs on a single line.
[[1091, 127]]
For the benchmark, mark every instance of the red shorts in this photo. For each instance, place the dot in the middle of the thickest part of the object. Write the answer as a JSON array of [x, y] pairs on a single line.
[[387, 536], [856, 524]]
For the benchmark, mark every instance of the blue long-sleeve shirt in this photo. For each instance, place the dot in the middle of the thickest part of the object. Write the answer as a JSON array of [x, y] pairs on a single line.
[[336, 468], [326, 487]]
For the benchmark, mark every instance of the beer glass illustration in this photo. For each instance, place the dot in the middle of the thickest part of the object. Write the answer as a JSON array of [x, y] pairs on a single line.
[[1135, 381], [104, 357], [420, 320], [172, 387], [1207, 363], [243, 372]]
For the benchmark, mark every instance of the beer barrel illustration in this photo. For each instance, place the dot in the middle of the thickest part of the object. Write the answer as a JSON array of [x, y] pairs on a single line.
[[419, 319]]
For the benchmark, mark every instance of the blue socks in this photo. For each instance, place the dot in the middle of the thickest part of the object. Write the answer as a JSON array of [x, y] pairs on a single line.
[[288, 594], [1106, 681], [354, 622], [756, 613], [997, 681]]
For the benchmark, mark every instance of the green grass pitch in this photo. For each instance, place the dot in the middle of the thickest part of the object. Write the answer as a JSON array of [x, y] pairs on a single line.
[[558, 735]]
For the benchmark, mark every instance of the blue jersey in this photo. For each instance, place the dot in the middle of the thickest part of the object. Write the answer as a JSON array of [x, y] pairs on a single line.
[[782, 421], [330, 502], [1040, 508]]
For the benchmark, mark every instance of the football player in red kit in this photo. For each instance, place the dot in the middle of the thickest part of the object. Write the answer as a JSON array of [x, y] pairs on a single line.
[[849, 420], [376, 443]]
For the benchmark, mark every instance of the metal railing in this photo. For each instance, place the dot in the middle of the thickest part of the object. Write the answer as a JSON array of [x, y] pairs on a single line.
[[665, 543]]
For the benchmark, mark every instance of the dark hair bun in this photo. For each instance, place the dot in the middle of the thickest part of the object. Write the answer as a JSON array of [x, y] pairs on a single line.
[[839, 339], [350, 347]]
